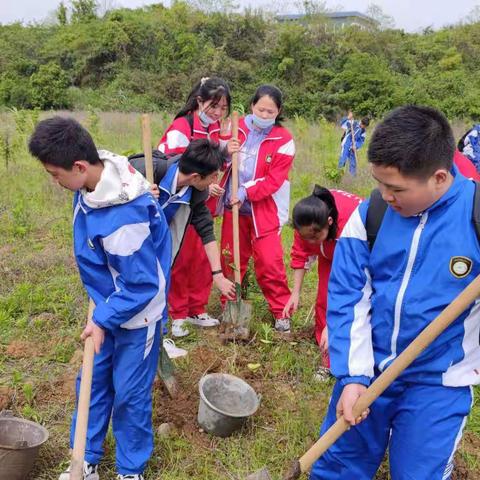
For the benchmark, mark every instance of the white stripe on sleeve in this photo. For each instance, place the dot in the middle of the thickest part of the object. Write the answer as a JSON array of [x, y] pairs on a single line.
[[176, 139], [360, 356], [127, 239], [355, 227], [288, 148]]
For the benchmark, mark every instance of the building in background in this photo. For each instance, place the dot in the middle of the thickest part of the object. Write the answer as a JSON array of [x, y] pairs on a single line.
[[335, 20]]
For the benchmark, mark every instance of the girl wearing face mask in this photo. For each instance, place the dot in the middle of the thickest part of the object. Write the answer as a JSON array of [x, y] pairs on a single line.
[[318, 221], [266, 151], [208, 104]]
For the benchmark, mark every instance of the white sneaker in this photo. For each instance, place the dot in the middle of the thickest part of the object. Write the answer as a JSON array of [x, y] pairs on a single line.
[[282, 325], [89, 472], [323, 374], [130, 477], [204, 320], [179, 327], [172, 350]]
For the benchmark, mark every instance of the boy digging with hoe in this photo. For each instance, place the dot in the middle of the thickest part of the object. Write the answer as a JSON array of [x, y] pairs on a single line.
[[122, 246], [383, 293]]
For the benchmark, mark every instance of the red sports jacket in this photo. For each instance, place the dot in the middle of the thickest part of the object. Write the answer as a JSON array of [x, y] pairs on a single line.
[[269, 191]]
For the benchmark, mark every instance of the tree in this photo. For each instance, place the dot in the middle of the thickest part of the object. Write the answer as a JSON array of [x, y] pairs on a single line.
[[376, 12], [84, 10], [210, 6], [312, 7], [61, 14], [474, 15], [365, 84], [106, 6], [49, 86]]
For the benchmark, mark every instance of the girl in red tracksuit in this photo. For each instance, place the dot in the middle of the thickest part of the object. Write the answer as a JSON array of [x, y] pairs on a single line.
[[318, 221], [266, 151], [191, 277]]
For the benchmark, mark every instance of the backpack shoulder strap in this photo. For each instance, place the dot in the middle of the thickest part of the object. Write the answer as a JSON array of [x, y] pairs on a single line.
[[476, 210], [161, 163], [375, 213], [189, 118]]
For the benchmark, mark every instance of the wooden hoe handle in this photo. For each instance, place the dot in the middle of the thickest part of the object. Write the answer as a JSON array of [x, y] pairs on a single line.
[[80, 440], [354, 146], [428, 335], [235, 208], [147, 146]]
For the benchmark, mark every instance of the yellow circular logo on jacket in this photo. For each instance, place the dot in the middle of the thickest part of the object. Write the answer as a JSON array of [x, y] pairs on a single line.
[[460, 267]]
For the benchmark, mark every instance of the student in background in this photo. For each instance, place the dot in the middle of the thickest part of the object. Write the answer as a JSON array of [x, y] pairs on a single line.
[[469, 145], [349, 147]]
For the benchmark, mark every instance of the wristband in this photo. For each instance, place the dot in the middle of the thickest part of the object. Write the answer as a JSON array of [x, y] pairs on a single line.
[[216, 272]]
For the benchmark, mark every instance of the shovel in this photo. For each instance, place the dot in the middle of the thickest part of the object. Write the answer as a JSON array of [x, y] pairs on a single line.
[[354, 146], [237, 312], [165, 369], [80, 440], [428, 335]]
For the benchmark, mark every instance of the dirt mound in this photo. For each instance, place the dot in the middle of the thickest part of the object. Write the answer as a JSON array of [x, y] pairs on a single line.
[[470, 445], [6, 395], [22, 349], [60, 390], [182, 411]]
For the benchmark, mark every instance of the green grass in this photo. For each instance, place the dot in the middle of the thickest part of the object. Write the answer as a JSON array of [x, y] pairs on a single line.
[[43, 307]]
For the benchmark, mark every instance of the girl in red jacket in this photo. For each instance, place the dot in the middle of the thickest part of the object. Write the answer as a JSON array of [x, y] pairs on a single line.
[[318, 221], [266, 151], [191, 277]]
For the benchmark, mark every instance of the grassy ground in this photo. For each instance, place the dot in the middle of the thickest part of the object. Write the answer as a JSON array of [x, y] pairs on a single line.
[[43, 307]]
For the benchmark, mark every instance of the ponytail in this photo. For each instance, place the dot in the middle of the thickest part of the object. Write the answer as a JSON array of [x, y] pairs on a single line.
[[315, 210]]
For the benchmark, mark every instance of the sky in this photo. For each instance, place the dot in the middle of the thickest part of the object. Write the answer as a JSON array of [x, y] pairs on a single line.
[[410, 15]]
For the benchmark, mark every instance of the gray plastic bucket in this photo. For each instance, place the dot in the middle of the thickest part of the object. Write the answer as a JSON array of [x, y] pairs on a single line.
[[226, 402], [19, 443]]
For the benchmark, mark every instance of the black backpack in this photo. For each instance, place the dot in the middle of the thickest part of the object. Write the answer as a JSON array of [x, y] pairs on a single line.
[[161, 162], [378, 206]]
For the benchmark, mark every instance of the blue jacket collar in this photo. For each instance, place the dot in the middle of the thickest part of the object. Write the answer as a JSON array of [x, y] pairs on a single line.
[[457, 186], [168, 185]]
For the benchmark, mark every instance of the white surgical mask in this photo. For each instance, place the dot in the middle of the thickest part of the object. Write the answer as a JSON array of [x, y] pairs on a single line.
[[262, 122], [205, 119]]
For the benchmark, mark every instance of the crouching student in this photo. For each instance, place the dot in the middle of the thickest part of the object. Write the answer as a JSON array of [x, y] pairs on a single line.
[[383, 293], [318, 221], [183, 183], [122, 247], [266, 151]]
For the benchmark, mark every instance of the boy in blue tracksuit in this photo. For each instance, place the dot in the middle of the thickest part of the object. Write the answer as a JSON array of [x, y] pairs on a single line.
[[348, 151], [123, 250], [183, 190], [425, 253]]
